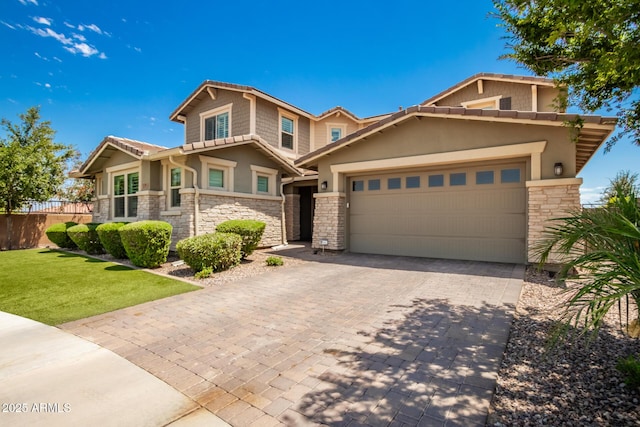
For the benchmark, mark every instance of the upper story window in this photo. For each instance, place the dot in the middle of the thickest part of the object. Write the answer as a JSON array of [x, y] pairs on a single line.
[[492, 103], [216, 123], [335, 132], [288, 130]]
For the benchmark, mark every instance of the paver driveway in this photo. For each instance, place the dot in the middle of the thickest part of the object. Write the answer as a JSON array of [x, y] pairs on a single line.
[[348, 340]]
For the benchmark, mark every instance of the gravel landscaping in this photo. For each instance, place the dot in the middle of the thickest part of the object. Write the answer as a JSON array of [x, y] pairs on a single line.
[[572, 386]]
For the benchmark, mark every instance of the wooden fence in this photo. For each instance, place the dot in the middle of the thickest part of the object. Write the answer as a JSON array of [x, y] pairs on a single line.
[[28, 229]]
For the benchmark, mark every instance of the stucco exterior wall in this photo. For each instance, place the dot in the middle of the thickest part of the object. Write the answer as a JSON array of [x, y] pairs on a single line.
[[240, 114], [438, 135], [215, 209], [329, 221], [545, 203]]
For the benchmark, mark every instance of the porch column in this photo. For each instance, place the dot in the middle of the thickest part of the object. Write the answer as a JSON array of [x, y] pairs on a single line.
[[329, 221], [547, 200]]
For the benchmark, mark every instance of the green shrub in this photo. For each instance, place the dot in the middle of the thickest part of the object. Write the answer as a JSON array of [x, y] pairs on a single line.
[[218, 251], [274, 261], [630, 369], [204, 273], [110, 239], [57, 233], [146, 242], [250, 230], [86, 238]]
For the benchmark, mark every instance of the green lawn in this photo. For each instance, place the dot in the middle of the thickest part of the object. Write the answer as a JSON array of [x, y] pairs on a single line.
[[56, 287]]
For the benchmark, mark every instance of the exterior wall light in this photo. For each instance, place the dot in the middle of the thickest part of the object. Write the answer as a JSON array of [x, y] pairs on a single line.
[[323, 186], [558, 169]]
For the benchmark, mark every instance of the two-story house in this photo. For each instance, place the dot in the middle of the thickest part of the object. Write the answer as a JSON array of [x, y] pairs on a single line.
[[475, 172]]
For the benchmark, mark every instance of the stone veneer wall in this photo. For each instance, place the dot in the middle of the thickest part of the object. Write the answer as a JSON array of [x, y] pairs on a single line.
[[148, 206], [292, 216], [545, 203], [101, 210], [329, 221], [215, 209], [180, 219]]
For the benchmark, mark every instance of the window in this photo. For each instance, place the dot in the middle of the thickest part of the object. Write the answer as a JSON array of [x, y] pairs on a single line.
[[175, 185], [216, 178], [264, 180], [373, 184], [263, 184], [484, 177], [413, 182], [509, 176], [288, 130], [436, 180], [492, 103], [394, 183], [125, 200], [357, 186], [287, 133], [336, 134], [217, 174], [458, 179], [216, 123]]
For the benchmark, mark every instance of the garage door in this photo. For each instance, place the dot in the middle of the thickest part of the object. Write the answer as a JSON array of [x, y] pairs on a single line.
[[473, 213]]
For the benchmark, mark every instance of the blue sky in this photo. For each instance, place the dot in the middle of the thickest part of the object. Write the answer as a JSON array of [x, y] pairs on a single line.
[[121, 67]]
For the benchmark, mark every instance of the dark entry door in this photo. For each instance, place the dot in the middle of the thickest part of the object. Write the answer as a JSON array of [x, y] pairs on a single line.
[[307, 207]]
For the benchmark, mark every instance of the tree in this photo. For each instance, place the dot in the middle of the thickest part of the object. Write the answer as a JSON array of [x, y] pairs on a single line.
[[602, 246], [32, 165], [591, 47], [625, 184]]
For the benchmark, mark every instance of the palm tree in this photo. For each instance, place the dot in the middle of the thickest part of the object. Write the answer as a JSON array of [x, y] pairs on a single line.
[[601, 250]]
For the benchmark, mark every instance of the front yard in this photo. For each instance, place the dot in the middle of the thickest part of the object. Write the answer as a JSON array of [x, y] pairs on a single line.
[[55, 287]]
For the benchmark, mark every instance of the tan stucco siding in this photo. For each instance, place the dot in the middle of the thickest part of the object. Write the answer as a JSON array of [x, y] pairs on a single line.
[[240, 114], [436, 135], [245, 156], [304, 136], [321, 136], [520, 94], [547, 99]]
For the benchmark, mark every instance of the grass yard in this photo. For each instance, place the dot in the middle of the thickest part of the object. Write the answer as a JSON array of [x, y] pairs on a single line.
[[56, 287]]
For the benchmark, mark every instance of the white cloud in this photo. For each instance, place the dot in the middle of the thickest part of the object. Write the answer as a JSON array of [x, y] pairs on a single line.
[[68, 44], [80, 37], [137, 49], [94, 28], [102, 55], [42, 20], [13, 101], [69, 25], [25, 2], [6, 24], [44, 58], [82, 48], [55, 58], [47, 85]]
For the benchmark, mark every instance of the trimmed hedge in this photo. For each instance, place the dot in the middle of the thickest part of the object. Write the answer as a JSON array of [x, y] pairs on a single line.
[[250, 230], [146, 242], [217, 251], [57, 233], [86, 238], [110, 239]]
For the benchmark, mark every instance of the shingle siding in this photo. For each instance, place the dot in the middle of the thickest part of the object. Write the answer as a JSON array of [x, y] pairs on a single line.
[[520, 94], [240, 114]]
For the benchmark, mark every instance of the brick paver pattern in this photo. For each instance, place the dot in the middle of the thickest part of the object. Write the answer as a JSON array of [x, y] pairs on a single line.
[[347, 340]]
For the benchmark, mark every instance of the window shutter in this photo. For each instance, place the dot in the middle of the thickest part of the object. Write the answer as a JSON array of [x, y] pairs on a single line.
[[222, 125], [209, 128], [505, 103]]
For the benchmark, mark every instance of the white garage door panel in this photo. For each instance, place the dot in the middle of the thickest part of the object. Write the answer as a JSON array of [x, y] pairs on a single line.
[[472, 221]]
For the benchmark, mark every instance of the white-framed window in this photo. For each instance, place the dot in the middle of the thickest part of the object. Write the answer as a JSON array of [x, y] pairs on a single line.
[[288, 130], [126, 185], [335, 132], [216, 123], [175, 184], [492, 103], [263, 180], [217, 174]]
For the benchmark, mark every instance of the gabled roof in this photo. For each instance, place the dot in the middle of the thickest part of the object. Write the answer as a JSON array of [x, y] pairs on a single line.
[[134, 148], [342, 110], [202, 92], [510, 78], [594, 130], [260, 144]]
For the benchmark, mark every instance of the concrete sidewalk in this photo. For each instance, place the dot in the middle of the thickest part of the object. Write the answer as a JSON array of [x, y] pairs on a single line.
[[52, 378]]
